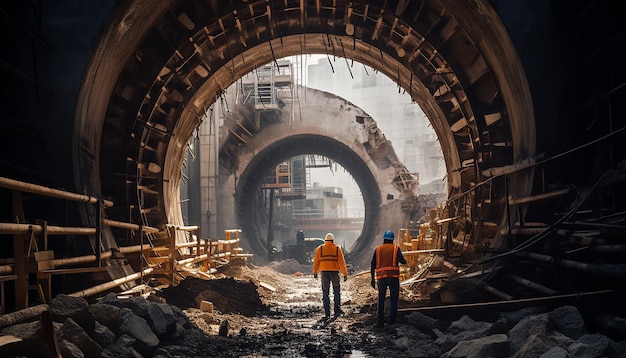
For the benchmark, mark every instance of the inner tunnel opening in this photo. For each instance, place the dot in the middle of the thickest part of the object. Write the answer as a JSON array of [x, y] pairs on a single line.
[[250, 203], [301, 91], [302, 199]]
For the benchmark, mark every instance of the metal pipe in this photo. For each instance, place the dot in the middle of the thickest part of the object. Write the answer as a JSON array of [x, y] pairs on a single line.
[[537, 197], [187, 228], [28, 314], [536, 256], [225, 242], [494, 291], [19, 229], [73, 260], [111, 284], [186, 244], [609, 249], [614, 270], [135, 248], [6, 270], [533, 285], [192, 260], [55, 193], [460, 309], [429, 251], [129, 226], [494, 173]]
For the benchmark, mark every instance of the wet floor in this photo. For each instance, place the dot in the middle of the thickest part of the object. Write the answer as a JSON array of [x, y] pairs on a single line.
[[291, 324]]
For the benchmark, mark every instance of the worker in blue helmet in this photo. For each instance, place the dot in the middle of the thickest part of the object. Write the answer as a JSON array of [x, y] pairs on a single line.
[[385, 268]]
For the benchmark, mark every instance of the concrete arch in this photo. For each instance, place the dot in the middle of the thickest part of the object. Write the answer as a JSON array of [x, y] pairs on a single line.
[[293, 145], [454, 58], [335, 128]]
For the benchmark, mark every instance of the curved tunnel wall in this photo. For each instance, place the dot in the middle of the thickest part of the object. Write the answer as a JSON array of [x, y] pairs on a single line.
[[323, 123], [572, 55], [283, 149], [455, 61]]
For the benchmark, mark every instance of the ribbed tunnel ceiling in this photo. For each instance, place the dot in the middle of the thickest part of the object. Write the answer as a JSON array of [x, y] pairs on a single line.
[[161, 65]]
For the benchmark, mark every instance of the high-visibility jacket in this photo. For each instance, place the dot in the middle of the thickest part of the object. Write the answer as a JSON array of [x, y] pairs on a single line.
[[329, 257], [387, 261]]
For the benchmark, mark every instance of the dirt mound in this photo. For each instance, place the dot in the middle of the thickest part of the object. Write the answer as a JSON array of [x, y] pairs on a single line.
[[289, 267], [228, 295]]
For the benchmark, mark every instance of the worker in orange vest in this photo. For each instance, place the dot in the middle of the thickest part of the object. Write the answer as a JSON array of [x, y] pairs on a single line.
[[329, 261], [387, 271]]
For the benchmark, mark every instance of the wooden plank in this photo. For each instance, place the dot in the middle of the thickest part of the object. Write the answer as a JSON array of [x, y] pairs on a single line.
[[267, 286], [414, 252], [538, 197], [8, 278], [73, 270]]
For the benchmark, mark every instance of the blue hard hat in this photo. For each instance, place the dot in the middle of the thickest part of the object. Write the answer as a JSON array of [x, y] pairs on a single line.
[[388, 235]]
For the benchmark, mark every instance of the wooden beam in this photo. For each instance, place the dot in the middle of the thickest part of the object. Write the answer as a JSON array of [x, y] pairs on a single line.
[[538, 197], [54, 193]]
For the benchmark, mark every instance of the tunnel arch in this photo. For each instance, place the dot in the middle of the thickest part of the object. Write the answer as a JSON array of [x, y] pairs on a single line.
[[250, 180], [454, 58]]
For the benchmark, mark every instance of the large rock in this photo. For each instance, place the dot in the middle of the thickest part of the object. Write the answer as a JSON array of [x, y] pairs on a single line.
[[122, 348], [512, 318], [64, 306], [535, 335], [416, 348], [538, 344], [618, 349], [496, 345], [24, 339], [527, 326], [138, 305], [555, 352], [138, 328], [463, 329], [568, 321], [590, 345], [612, 326], [465, 323], [106, 314], [103, 335], [69, 349], [74, 333], [422, 322], [174, 351], [161, 318]]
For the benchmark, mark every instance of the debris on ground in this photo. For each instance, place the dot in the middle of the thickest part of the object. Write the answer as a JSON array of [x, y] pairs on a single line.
[[261, 312]]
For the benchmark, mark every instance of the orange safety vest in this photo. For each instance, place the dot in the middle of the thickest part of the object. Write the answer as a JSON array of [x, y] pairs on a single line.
[[329, 257], [387, 261]]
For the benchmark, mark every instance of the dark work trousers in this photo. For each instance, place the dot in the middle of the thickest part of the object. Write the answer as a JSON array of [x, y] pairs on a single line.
[[327, 278], [394, 293]]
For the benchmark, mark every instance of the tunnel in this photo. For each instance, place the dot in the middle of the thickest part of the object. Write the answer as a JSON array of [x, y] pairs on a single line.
[[306, 144], [478, 130], [103, 98]]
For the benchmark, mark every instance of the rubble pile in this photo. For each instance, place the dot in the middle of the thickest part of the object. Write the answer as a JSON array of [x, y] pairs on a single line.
[[287, 322], [228, 295], [113, 327], [529, 332]]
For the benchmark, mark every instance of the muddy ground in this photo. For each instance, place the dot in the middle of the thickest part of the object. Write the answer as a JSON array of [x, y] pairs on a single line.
[[276, 311]]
